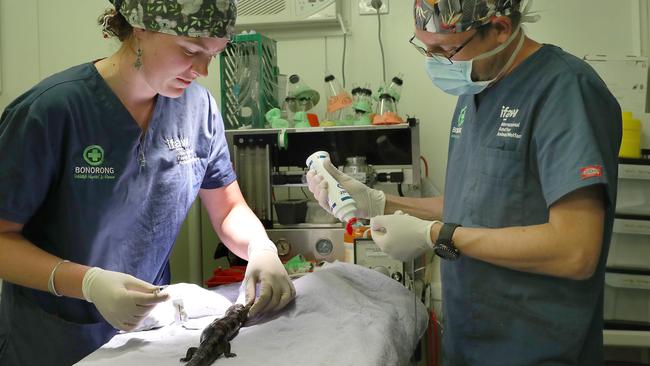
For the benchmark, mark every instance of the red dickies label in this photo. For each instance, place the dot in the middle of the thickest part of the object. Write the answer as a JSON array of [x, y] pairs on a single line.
[[591, 171]]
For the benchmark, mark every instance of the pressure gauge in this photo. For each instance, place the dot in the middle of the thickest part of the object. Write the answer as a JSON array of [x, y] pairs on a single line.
[[283, 247], [381, 269], [324, 247], [397, 276]]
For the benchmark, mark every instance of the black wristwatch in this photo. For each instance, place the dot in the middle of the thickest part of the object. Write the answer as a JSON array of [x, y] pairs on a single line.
[[444, 246]]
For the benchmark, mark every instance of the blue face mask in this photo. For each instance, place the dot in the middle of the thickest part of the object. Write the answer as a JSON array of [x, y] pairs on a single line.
[[456, 78]]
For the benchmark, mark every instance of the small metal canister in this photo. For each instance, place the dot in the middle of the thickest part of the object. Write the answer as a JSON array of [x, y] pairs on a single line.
[[356, 167]]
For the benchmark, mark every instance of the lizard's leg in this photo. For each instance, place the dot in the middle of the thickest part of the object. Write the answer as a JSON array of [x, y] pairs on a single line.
[[190, 353], [226, 351]]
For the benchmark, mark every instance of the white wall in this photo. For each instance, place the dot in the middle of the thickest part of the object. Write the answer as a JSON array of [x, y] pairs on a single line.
[[18, 50], [579, 26], [39, 37]]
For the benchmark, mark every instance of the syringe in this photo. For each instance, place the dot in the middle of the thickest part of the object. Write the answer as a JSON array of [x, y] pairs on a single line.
[[341, 204]]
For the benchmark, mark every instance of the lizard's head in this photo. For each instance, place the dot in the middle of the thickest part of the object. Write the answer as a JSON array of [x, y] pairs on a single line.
[[240, 311]]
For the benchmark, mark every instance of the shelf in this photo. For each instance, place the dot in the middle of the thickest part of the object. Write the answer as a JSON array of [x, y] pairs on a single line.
[[337, 225], [626, 338], [634, 171], [315, 129]]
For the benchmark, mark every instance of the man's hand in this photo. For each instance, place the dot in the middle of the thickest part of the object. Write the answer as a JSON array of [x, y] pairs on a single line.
[[401, 236], [122, 299], [370, 202], [264, 266]]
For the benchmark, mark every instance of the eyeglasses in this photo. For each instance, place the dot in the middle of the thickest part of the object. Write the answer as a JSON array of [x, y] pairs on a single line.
[[445, 57]]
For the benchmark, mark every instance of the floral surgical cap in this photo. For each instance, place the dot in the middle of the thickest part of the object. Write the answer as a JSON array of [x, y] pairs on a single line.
[[455, 16], [190, 18]]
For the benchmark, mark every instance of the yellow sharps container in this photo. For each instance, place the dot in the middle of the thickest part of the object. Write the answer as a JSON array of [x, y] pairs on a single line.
[[631, 142]]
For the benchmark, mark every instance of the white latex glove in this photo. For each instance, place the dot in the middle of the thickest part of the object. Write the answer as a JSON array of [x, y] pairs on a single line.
[[401, 236], [264, 266], [122, 299], [370, 202]]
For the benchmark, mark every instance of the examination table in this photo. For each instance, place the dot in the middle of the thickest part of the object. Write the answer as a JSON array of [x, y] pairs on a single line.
[[343, 314]]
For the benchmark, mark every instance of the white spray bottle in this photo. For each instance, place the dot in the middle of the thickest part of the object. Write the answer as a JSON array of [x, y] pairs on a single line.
[[339, 200]]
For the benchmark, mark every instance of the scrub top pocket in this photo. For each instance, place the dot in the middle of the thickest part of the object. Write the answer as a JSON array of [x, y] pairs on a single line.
[[496, 198]]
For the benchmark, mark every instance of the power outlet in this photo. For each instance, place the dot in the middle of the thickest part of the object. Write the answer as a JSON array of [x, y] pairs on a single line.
[[365, 7]]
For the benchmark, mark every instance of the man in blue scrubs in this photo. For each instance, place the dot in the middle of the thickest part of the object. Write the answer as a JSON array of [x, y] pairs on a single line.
[[101, 163], [530, 191]]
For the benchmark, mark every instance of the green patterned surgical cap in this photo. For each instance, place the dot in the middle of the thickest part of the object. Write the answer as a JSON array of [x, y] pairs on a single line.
[[190, 18], [455, 16]]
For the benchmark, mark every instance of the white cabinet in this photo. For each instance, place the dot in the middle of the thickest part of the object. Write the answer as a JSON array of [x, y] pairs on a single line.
[[626, 338], [627, 298], [633, 196], [630, 245], [627, 280]]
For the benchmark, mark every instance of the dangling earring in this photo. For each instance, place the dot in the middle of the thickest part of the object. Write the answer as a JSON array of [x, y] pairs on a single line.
[[106, 30], [138, 60]]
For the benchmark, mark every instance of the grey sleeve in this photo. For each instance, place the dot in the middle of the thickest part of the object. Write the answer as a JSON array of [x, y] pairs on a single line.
[[577, 136], [219, 172]]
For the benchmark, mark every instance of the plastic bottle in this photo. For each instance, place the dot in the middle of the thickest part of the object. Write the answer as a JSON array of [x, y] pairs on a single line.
[[361, 101], [395, 88], [294, 83], [362, 106], [386, 112], [306, 97], [341, 204], [631, 139], [288, 109], [386, 104], [356, 92], [339, 102]]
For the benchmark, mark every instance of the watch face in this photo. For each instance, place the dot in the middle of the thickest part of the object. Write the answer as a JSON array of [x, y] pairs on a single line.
[[447, 253]]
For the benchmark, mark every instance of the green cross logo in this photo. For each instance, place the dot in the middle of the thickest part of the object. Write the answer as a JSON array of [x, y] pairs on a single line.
[[94, 155], [461, 117]]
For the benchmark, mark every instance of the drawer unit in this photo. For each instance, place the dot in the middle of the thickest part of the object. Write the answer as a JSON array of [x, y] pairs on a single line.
[[630, 245], [633, 196], [627, 298]]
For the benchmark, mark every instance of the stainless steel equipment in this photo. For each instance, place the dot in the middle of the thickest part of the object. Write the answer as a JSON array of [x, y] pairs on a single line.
[[368, 254], [270, 166], [252, 163], [356, 167], [318, 244]]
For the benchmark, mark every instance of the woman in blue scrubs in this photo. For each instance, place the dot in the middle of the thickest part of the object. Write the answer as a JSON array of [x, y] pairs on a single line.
[[101, 163]]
